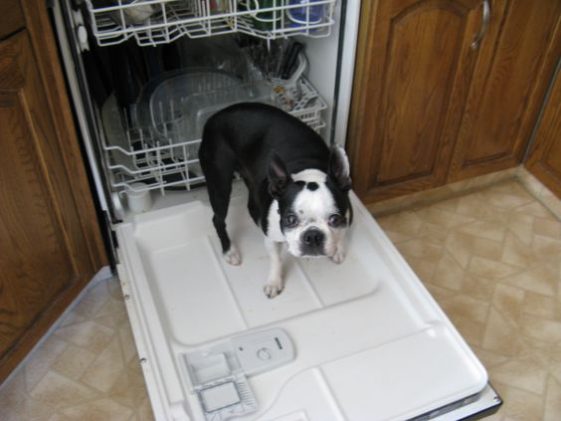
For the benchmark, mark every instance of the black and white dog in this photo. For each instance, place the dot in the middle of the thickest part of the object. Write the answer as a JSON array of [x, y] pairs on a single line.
[[298, 187]]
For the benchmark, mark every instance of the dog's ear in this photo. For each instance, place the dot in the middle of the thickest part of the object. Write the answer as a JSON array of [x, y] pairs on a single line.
[[339, 169], [278, 176]]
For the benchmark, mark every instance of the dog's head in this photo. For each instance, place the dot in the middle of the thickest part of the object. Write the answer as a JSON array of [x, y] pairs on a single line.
[[314, 207]]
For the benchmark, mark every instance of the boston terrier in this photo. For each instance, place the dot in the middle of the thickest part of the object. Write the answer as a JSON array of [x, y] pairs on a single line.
[[298, 187]]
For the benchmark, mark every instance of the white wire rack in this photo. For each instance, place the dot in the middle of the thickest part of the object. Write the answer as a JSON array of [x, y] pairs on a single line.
[[153, 22], [140, 159]]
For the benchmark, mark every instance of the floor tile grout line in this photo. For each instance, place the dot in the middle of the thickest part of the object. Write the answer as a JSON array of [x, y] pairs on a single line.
[[545, 395], [29, 390], [89, 401]]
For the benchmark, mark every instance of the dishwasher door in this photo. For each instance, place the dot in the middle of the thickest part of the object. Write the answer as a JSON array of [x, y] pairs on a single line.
[[367, 341]]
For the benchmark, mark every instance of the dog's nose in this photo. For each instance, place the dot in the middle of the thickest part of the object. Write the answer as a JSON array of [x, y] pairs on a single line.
[[313, 240], [313, 237]]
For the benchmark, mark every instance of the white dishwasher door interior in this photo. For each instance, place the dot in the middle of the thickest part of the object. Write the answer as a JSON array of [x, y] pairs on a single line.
[[363, 340]]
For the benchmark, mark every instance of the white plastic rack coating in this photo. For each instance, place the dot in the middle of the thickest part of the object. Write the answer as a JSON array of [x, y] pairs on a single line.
[[146, 160], [153, 22]]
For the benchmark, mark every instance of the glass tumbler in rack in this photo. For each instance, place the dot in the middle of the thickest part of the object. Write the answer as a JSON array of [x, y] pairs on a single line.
[[307, 14]]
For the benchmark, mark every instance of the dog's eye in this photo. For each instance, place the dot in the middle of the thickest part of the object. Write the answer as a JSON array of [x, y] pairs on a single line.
[[290, 220], [335, 220]]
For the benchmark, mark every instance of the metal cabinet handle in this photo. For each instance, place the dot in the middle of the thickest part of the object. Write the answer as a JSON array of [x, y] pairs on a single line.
[[484, 25]]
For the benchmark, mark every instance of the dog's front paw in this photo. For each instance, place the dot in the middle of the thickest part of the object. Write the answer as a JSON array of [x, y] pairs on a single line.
[[273, 289], [233, 256], [339, 256]]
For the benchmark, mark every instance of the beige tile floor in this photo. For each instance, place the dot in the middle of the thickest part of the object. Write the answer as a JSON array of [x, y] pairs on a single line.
[[492, 259], [86, 370]]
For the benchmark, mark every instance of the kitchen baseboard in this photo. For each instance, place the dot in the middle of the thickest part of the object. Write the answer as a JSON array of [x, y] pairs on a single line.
[[438, 194]]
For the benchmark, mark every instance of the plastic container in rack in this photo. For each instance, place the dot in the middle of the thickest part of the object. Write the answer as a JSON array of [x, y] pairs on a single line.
[[179, 106], [201, 106], [167, 110]]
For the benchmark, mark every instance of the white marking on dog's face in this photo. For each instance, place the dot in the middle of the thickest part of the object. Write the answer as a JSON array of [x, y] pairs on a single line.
[[311, 224]]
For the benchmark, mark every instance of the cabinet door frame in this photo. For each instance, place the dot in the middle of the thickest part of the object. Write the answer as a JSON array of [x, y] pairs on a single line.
[[368, 93]]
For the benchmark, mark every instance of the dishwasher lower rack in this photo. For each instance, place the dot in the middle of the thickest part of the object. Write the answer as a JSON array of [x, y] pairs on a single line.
[[154, 22], [139, 159]]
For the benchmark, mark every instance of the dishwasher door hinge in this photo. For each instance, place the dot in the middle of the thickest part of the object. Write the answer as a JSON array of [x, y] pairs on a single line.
[[115, 249], [110, 238], [79, 28]]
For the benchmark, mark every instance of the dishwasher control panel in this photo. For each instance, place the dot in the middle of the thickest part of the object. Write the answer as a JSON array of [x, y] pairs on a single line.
[[219, 371]]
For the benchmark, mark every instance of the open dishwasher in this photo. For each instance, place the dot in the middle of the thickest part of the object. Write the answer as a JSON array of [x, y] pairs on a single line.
[[363, 340]]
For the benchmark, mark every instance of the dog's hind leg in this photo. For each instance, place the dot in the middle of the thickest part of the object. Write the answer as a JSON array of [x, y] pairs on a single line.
[[230, 251], [218, 164]]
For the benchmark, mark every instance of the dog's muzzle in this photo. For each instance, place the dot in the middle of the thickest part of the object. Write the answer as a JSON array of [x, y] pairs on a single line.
[[312, 242]]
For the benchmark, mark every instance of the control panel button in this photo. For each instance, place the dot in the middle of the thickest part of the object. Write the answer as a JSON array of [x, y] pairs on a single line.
[[264, 354]]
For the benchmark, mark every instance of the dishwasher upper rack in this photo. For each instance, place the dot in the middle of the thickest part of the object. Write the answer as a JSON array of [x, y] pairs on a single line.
[[154, 22], [144, 160]]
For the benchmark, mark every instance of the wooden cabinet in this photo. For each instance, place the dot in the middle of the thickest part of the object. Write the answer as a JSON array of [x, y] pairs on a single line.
[[49, 236], [429, 108], [508, 88], [407, 105], [545, 156]]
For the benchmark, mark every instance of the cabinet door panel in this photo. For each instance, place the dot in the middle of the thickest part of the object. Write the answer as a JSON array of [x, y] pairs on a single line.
[[411, 96], [29, 227], [37, 258], [501, 111], [415, 94]]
